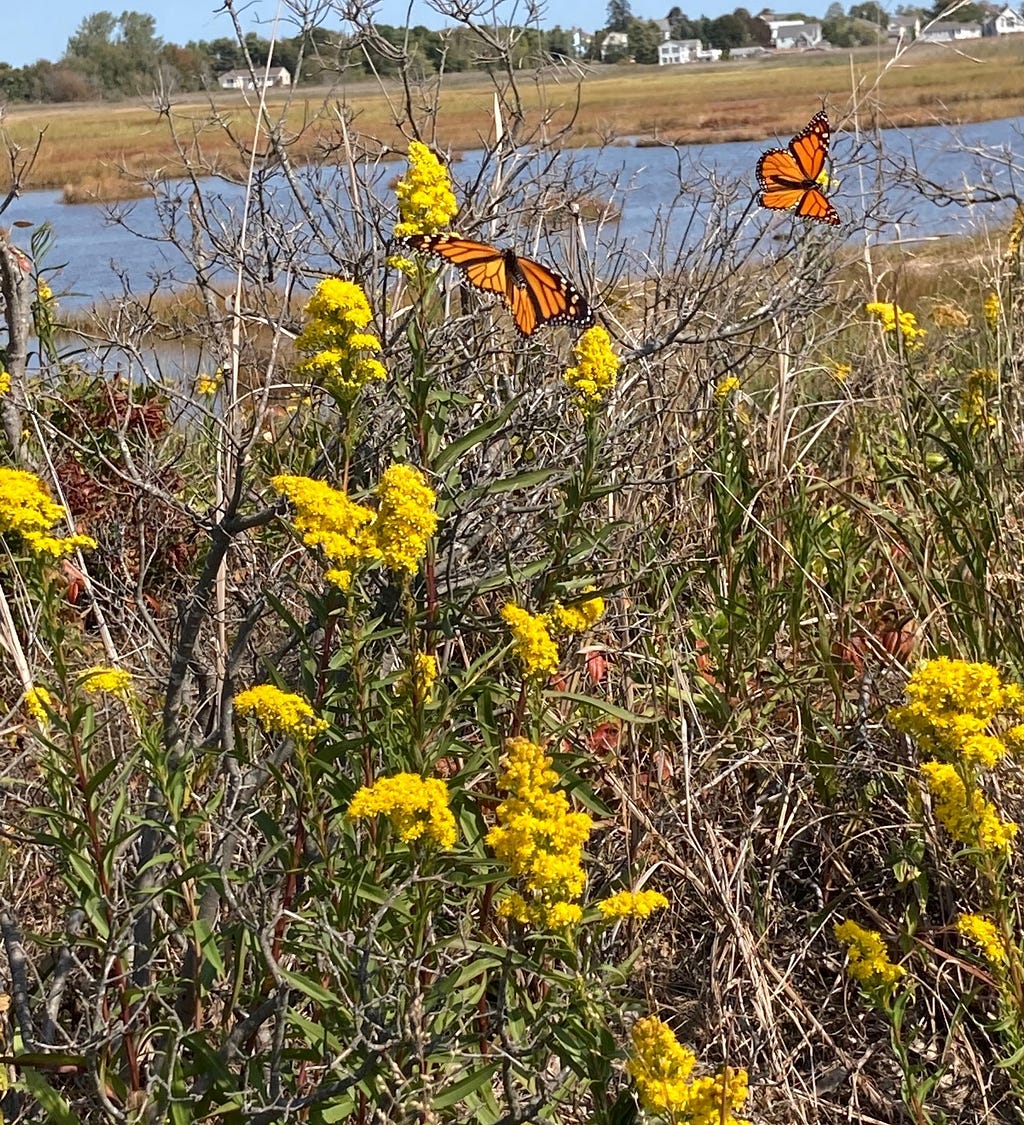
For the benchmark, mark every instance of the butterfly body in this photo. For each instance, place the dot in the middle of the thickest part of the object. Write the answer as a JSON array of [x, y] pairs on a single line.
[[534, 294], [790, 178]]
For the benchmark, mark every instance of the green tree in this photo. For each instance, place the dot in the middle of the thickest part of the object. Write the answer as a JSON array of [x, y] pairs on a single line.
[[870, 10], [558, 43], [644, 37], [755, 29], [847, 32], [119, 54], [727, 31], [681, 26], [619, 15], [969, 13]]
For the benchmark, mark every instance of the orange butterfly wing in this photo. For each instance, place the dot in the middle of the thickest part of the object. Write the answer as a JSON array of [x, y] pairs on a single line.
[[788, 178], [534, 294], [539, 296]]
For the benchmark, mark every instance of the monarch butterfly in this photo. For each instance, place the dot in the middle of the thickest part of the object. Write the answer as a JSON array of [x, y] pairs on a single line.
[[789, 177], [534, 294]]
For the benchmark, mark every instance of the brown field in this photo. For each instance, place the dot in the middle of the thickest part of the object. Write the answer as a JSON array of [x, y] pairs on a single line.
[[104, 151]]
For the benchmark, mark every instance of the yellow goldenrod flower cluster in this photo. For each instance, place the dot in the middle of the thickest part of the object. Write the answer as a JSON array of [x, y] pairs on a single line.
[[726, 387], [281, 711], [950, 705], [405, 517], [26, 508], [349, 533], [950, 709], [974, 411], [596, 369], [39, 704], [839, 371], [417, 682], [894, 319], [982, 931], [631, 904], [993, 307], [44, 295], [326, 518], [426, 202], [533, 645], [417, 807], [5, 382], [867, 960], [541, 840], [580, 615], [948, 315], [101, 680], [661, 1068], [967, 815], [208, 385], [340, 351]]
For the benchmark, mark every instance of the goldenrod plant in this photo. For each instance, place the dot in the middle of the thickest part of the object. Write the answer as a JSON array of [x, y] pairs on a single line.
[[419, 712]]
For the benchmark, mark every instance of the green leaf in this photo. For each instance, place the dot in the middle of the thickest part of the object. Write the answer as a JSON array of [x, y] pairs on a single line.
[[601, 705], [58, 1112], [465, 1086], [451, 453], [311, 988]]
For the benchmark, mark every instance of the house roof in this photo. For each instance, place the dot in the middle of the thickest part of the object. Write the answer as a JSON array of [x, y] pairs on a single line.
[[273, 72]]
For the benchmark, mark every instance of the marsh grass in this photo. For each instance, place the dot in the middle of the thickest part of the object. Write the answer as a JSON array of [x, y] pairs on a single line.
[[784, 508], [87, 147]]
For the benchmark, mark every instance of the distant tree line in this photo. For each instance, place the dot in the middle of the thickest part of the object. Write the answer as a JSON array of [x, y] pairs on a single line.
[[120, 56]]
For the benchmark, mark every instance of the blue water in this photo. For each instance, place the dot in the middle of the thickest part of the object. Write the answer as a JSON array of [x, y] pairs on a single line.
[[666, 194]]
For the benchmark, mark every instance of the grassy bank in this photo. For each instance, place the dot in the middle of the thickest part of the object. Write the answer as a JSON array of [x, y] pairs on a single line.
[[85, 148]]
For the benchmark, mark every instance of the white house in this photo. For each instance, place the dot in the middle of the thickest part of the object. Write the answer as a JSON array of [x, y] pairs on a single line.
[[679, 51], [242, 79], [945, 31], [1008, 21], [789, 35], [581, 41], [904, 27], [614, 40], [664, 30]]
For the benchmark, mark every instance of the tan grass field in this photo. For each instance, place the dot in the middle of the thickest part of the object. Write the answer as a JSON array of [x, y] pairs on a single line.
[[104, 151]]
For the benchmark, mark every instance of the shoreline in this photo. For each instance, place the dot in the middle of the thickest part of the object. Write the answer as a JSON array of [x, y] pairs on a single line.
[[102, 153]]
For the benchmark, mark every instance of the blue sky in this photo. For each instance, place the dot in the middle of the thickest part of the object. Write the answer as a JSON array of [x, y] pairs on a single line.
[[31, 33]]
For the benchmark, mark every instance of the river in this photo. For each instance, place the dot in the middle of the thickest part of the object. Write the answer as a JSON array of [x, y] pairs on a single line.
[[869, 188]]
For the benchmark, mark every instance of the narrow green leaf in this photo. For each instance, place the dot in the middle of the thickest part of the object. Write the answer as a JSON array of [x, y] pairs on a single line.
[[58, 1112], [465, 1086], [451, 453]]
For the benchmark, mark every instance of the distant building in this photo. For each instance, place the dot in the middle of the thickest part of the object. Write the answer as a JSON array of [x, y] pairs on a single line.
[[747, 52], [1008, 21], [677, 51], [793, 36], [581, 41], [614, 40], [789, 34], [242, 79], [904, 27], [664, 30], [945, 31]]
